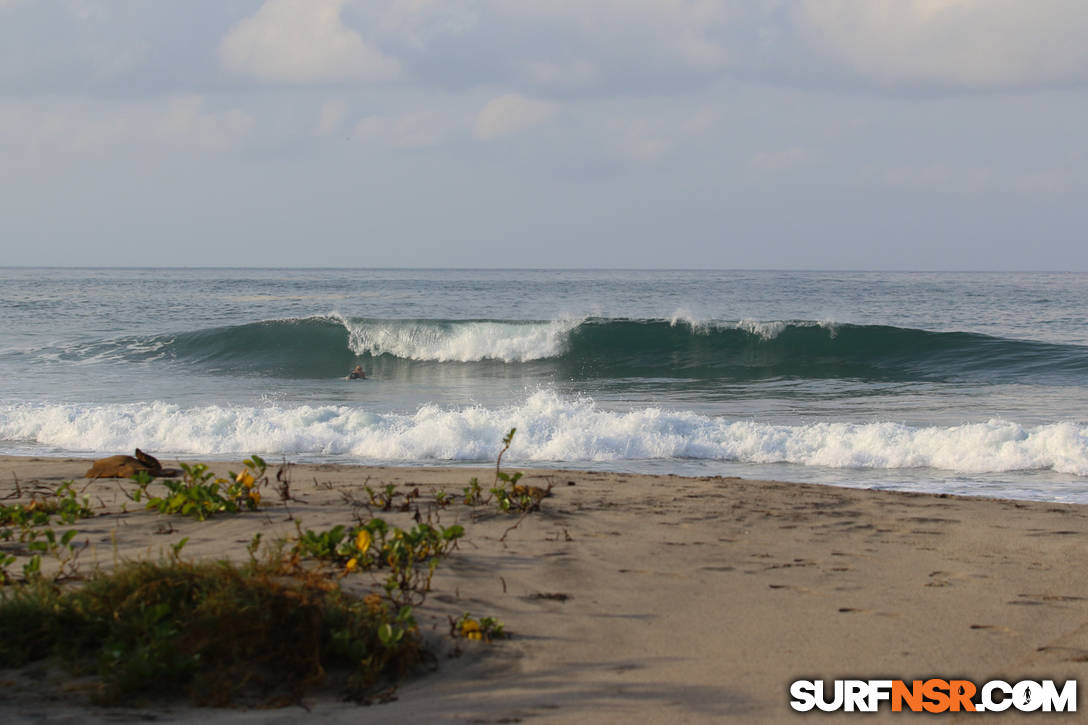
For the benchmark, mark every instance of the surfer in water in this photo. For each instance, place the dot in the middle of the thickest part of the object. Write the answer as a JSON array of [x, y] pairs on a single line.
[[357, 374]]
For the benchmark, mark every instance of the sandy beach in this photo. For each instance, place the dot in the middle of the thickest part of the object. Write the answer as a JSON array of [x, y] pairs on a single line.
[[634, 598]]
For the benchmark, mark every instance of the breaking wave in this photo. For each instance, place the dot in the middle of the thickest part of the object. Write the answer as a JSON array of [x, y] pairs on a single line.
[[551, 428], [326, 346]]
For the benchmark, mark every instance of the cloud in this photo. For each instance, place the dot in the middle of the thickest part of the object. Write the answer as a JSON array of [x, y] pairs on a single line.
[[1047, 182], [548, 49], [511, 114], [562, 75], [414, 130], [556, 47], [332, 115], [649, 138], [87, 9], [64, 129], [640, 144], [187, 121], [420, 22], [968, 44], [950, 179], [300, 42], [781, 160], [699, 122], [659, 31]]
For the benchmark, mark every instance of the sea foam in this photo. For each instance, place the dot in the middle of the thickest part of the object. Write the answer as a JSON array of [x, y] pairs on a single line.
[[551, 428], [459, 341]]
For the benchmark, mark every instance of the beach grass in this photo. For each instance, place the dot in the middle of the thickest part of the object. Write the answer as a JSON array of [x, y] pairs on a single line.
[[215, 632], [263, 631]]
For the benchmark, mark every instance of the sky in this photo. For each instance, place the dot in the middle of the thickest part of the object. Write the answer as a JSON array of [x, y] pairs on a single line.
[[767, 134]]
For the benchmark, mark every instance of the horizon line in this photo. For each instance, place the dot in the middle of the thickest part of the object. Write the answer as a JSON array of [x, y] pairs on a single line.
[[552, 269]]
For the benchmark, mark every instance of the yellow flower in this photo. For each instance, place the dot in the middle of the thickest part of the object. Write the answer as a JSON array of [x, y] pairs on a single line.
[[352, 563], [362, 541], [245, 478], [256, 496], [470, 629]]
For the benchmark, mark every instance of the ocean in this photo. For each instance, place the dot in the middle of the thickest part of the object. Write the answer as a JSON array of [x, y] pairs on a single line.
[[965, 383]]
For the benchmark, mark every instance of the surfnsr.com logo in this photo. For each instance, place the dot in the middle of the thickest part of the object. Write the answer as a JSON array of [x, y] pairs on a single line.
[[933, 695]]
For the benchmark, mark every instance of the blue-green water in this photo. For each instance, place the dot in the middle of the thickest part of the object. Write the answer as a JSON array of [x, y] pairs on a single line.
[[963, 383]]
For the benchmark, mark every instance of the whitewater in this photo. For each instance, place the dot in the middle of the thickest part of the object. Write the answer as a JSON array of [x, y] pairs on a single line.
[[957, 383], [554, 430]]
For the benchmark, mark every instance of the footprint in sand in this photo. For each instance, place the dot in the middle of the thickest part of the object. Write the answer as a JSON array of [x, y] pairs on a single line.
[[938, 582], [994, 628], [791, 587], [853, 610], [1052, 597], [1066, 654], [943, 578]]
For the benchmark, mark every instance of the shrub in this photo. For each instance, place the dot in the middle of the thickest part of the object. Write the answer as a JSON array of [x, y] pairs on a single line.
[[411, 556], [197, 495], [214, 631]]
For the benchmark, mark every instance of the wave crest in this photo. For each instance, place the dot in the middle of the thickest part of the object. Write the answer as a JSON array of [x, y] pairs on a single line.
[[459, 341], [326, 346]]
